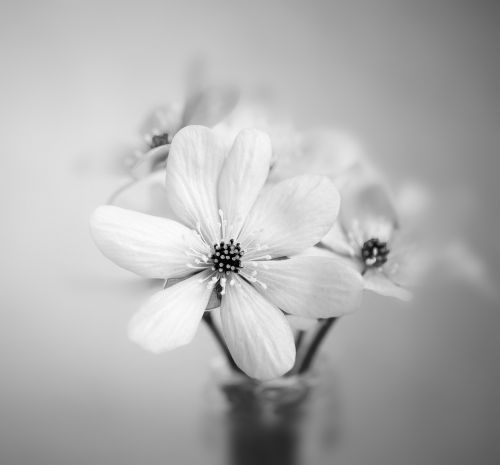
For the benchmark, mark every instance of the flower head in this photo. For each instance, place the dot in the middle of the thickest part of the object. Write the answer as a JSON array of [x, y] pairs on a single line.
[[238, 240], [369, 234], [207, 105]]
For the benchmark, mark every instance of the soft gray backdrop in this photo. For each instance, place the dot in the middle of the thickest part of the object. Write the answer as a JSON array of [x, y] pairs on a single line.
[[417, 81]]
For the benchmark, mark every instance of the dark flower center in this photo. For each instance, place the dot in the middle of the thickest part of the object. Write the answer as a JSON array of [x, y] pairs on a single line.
[[226, 257], [374, 253], [157, 140]]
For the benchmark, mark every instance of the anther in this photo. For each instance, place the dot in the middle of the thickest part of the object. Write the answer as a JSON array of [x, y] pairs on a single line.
[[226, 257], [374, 252], [157, 140]]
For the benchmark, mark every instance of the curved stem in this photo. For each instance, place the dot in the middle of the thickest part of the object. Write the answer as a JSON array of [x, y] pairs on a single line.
[[325, 326], [298, 339], [207, 317]]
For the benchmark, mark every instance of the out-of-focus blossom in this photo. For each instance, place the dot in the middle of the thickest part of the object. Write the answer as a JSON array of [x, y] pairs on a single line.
[[206, 106], [324, 151], [369, 233], [145, 192], [237, 239]]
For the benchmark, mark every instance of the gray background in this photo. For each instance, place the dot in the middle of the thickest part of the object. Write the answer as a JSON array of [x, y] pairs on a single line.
[[417, 81]]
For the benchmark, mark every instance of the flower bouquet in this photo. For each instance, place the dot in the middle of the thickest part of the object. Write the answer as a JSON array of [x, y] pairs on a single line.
[[265, 234]]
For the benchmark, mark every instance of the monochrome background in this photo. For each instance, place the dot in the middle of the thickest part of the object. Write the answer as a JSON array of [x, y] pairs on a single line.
[[417, 81]]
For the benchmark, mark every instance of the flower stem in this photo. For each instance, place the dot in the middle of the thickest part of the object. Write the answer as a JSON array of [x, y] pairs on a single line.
[[322, 331], [207, 317], [298, 339]]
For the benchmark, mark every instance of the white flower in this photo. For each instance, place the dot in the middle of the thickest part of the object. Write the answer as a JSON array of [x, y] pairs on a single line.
[[233, 238], [322, 151], [206, 106], [369, 234], [325, 151]]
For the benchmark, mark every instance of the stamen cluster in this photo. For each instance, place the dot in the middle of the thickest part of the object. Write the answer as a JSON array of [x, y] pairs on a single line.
[[226, 257], [157, 140], [374, 252]]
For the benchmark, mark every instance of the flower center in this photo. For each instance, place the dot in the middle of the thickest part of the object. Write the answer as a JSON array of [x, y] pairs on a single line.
[[226, 257], [374, 252], [157, 140]]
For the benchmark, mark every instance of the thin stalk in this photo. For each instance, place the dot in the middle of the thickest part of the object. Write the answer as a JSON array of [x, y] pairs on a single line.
[[323, 329], [207, 317], [298, 339]]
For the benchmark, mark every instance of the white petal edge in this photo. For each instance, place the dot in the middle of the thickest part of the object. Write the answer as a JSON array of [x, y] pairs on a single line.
[[337, 241], [244, 174], [193, 166], [311, 286], [256, 332], [367, 211], [301, 323], [291, 216], [170, 318], [210, 105], [377, 282], [150, 246]]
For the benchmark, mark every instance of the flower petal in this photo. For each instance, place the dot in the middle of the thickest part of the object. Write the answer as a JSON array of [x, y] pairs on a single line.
[[150, 246], [166, 118], [147, 195], [325, 151], [301, 323], [291, 216], [377, 282], [193, 167], [209, 106], [243, 176], [311, 286], [256, 332], [367, 212], [170, 318], [336, 240]]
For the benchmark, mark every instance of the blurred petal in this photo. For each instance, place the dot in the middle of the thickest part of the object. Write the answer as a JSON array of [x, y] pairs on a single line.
[[367, 212], [313, 287], [256, 332], [170, 318], [193, 166], [163, 119], [243, 176], [291, 216], [321, 151], [413, 201], [376, 281], [210, 106], [150, 246], [147, 195], [319, 251], [149, 161], [301, 323], [407, 262], [337, 241]]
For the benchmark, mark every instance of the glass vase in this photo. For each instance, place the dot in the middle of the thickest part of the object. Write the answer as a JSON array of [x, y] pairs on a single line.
[[291, 420]]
